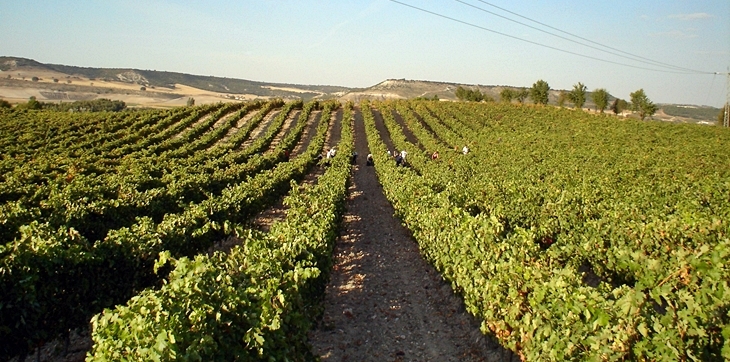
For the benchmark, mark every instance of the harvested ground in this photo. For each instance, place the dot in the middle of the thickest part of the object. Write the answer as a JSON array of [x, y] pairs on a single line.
[[384, 302], [241, 121], [261, 128], [308, 133]]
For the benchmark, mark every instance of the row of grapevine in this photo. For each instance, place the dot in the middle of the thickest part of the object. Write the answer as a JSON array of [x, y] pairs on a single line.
[[256, 302], [29, 174], [95, 203], [54, 278], [96, 152], [541, 200]]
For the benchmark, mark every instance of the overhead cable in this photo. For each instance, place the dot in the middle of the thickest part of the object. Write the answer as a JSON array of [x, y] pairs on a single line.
[[612, 51], [539, 44]]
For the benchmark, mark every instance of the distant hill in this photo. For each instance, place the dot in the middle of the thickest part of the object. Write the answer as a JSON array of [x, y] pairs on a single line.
[[216, 84], [169, 81], [21, 78], [704, 113], [407, 89]]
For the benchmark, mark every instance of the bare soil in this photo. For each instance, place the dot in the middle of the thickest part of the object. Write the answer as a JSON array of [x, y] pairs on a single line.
[[308, 133], [285, 129], [261, 127], [240, 123], [384, 302]]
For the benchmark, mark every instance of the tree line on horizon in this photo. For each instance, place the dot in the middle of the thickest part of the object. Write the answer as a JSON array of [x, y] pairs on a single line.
[[540, 90], [96, 105]]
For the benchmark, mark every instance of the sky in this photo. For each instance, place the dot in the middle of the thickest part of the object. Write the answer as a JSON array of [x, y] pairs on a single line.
[[679, 44]]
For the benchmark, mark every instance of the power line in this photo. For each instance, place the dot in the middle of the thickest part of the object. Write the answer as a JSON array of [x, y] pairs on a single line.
[[536, 43], [614, 51], [709, 91], [666, 65]]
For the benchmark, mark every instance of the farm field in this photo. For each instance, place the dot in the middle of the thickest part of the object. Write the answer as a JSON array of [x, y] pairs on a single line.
[[208, 232]]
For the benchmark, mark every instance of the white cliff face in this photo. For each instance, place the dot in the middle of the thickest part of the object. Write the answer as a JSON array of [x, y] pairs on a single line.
[[9, 64], [132, 77]]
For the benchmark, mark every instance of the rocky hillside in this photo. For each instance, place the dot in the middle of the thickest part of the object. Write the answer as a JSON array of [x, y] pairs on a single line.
[[407, 89], [14, 68]]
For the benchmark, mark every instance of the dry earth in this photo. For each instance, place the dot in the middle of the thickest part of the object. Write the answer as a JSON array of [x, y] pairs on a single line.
[[384, 302], [20, 87]]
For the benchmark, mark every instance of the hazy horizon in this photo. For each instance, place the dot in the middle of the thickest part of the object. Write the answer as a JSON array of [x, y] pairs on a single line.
[[361, 43]]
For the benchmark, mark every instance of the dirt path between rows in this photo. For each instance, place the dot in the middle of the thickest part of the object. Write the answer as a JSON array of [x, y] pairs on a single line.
[[384, 302]]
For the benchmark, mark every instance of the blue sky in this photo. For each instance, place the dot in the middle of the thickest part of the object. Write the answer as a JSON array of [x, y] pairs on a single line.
[[361, 43]]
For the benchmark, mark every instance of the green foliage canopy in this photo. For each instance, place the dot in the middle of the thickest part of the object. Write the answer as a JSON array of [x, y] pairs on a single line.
[[539, 92], [619, 105], [578, 95], [506, 95], [562, 98], [642, 104], [472, 95], [522, 95], [600, 98]]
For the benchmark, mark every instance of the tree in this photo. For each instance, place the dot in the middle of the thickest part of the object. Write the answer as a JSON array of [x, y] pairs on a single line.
[[6, 104], [578, 95], [35, 79], [464, 94], [600, 98], [32, 104], [562, 98], [191, 102], [522, 94], [641, 103], [506, 95], [539, 92], [618, 106], [96, 105], [460, 93]]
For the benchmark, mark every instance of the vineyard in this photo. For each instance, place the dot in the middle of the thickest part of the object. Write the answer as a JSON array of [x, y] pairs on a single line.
[[569, 236]]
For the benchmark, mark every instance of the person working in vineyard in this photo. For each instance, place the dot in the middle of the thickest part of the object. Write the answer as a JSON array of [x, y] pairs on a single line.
[[398, 159], [465, 150], [369, 160], [435, 155], [328, 156]]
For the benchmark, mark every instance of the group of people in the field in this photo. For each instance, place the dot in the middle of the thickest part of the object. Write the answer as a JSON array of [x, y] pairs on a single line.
[[399, 157]]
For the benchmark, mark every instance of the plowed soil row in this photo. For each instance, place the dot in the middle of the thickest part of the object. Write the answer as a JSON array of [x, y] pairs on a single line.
[[241, 121], [276, 212], [261, 128], [384, 302]]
